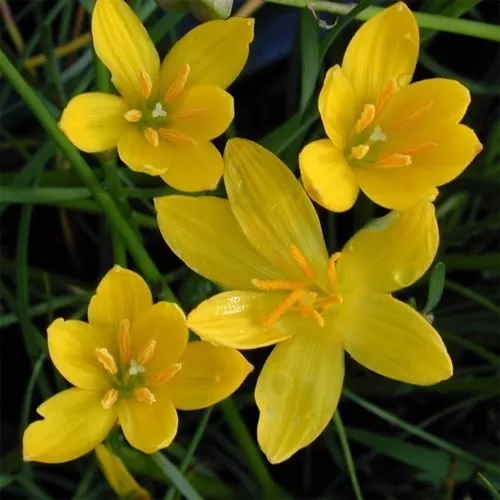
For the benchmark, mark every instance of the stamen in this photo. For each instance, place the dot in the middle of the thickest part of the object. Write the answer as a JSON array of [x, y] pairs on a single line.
[[367, 116], [424, 148], [302, 262], [107, 360], [359, 152], [133, 115], [147, 353], [383, 98], [177, 137], [146, 84], [151, 136], [188, 113], [144, 395], [412, 116], [332, 271], [278, 285], [164, 375], [394, 160], [332, 300], [312, 313], [125, 341], [110, 398], [135, 368], [177, 86], [286, 305], [158, 111]]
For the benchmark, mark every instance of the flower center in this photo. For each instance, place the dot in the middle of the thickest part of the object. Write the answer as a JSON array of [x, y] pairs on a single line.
[[129, 376], [304, 298], [369, 142], [154, 119]]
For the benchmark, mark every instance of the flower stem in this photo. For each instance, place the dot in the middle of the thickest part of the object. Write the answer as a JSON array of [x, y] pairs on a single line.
[[118, 221], [339, 427], [431, 21], [249, 448]]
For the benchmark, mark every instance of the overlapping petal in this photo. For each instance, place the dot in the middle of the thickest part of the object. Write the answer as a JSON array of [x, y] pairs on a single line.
[[328, 178], [298, 391], [391, 252], [203, 112], [194, 168], [272, 209], [385, 47], [74, 423], [72, 346], [121, 294], [216, 52], [392, 339], [208, 375], [94, 121], [236, 319], [204, 233], [124, 46], [148, 427]]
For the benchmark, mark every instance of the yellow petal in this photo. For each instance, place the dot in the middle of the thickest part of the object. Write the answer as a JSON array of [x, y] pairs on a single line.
[[194, 168], [385, 47], [164, 323], [119, 478], [392, 339], [455, 146], [328, 178], [204, 233], [148, 427], [94, 121], [141, 156], [123, 45], [216, 52], [203, 112], [298, 391], [394, 188], [391, 252], [273, 209], [72, 346], [208, 375], [74, 423], [429, 103], [337, 106], [121, 294], [236, 319]]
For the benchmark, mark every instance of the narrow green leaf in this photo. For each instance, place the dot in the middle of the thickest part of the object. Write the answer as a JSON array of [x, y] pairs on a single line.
[[437, 280], [309, 57]]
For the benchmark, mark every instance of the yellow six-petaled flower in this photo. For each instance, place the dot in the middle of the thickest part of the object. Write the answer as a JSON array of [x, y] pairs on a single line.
[[167, 113], [131, 364], [265, 245], [394, 141]]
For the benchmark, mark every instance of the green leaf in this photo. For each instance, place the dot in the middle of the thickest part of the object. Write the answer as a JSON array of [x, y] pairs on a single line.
[[436, 287], [309, 56]]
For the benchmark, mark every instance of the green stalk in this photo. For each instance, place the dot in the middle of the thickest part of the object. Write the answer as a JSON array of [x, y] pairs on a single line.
[[118, 221], [430, 21], [249, 448]]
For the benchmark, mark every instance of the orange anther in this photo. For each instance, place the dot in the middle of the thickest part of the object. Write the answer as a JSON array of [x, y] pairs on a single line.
[[177, 86], [302, 262], [412, 116], [146, 84], [151, 136], [286, 305], [125, 341], [359, 152], [107, 360], [143, 394], [312, 313], [393, 160], [164, 375], [177, 137], [110, 398], [390, 89], [188, 113], [278, 285], [133, 115], [424, 148], [147, 353], [332, 271], [367, 116]]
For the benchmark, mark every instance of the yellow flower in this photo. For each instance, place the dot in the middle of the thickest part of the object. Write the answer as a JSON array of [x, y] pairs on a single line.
[[167, 114], [394, 141], [131, 364], [119, 478], [265, 244]]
